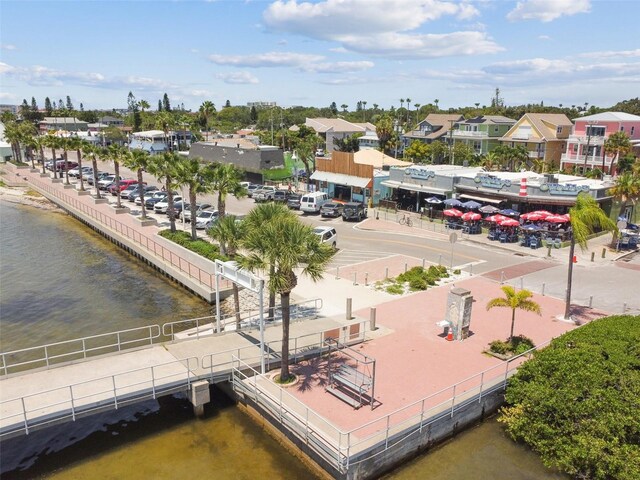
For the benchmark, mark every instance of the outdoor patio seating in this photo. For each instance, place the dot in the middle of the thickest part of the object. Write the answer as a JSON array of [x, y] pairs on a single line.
[[534, 243]]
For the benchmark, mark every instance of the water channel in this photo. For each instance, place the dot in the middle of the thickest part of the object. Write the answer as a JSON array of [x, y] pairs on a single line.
[[61, 280]]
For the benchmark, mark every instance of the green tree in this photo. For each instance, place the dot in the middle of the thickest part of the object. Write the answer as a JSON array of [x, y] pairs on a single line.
[[65, 145], [462, 152], [163, 167], [116, 153], [386, 133], [347, 144], [48, 107], [576, 402], [625, 190], [282, 246], [229, 232], [226, 180], [198, 178], [92, 152], [69, 104], [166, 123], [207, 111], [419, 152], [587, 218], [138, 160], [51, 142], [166, 105], [515, 301], [617, 144]]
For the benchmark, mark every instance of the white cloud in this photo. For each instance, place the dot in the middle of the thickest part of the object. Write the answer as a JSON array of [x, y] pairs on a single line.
[[7, 46], [381, 27], [200, 93], [7, 96], [237, 78], [544, 37], [547, 10], [338, 50], [38, 75], [612, 53], [337, 67], [270, 59]]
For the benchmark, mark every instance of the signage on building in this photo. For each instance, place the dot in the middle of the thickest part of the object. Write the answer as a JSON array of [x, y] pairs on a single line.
[[419, 173], [563, 189], [489, 181]]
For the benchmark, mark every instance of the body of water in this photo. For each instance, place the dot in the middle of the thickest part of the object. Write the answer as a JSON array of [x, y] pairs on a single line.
[[60, 280]]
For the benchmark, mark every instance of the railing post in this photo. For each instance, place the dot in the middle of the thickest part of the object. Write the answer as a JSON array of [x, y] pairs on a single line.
[[453, 400], [421, 415], [24, 413], [118, 341], [306, 426], [481, 385], [84, 348], [115, 394], [46, 355], [73, 408], [386, 439], [153, 381]]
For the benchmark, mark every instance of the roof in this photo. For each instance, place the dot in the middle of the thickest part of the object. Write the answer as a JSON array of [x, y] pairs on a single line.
[[377, 159], [443, 119], [610, 117], [493, 119], [340, 179], [63, 120], [149, 133], [545, 124], [322, 125]]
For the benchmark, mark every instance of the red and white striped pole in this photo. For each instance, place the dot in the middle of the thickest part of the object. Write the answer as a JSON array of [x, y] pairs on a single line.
[[523, 187]]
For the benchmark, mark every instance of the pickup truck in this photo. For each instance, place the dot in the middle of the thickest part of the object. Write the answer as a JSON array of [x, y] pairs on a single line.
[[265, 194]]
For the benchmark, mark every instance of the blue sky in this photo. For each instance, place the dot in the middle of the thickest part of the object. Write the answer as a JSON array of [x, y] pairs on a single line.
[[312, 53]]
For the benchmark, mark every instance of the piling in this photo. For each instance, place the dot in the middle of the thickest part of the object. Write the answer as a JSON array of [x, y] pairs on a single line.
[[349, 308], [372, 319]]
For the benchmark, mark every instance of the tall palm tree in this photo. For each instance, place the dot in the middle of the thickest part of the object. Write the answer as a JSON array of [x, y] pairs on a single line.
[[198, 178], [165, 122], [138, 160], [76, 144], [587, 218], [515, 301], [229, 232], [207, 110], [625, 190], [14, 135], [261, 215], [163, 167], [64, 144], [283, 246], [29, 136], [116, 153], [226, 180], [39, 142], [50, 141], [618, 144], [417, 105], [490, 161], [436, 101], [92, 152], [344, 107]]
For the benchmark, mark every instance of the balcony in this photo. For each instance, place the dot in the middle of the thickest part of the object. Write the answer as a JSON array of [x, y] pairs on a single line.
[[592, 160], [583, 139], [536, 154], [469, 134]]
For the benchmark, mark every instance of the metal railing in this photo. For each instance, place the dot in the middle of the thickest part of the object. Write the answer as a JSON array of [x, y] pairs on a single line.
[[156, 248], [22, 414], [77, 348], [338, 447], [194, 328]]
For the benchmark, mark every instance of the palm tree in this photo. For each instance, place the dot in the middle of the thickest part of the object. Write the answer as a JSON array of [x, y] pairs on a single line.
[[143, 105], [344, 107], [198, 178], [587, 218], [230, 232], [76, 144], [138, 160], [39, 142], [116, 153], [490, 161], [91, 152], [417, 105], [618, 143], [226, 180], [51, 142], [408, 100], [261, 215], [283, 246], [163, 167], [436, 101], [207, 110], [64, 144], [625, 190], [165, 122], [364, 110], [515, 301]]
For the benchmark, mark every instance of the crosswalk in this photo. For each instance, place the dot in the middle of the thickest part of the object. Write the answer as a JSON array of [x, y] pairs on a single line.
[[346, 257]]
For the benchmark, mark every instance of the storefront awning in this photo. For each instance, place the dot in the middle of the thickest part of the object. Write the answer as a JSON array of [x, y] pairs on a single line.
[[414, 187], [341, 179], [481, 198]]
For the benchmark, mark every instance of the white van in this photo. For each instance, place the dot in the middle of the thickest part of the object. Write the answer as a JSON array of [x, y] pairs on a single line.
[[312, 202]]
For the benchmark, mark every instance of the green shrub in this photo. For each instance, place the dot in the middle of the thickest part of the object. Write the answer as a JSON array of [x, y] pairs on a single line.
[[499, 346], [520, 344], [201, 247], [395, 289], [576, 402], [418, 284], [456, 271]]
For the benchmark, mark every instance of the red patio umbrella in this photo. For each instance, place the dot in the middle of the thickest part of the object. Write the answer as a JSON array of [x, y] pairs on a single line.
[[452, 212], [556, 219], [544, 213], [509, 222], [496, 218], [533, 217], [471, 216]]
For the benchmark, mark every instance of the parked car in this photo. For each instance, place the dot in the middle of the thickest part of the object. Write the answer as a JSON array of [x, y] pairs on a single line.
[[107, 180], [312, 202], [327, 235], [124, 183], [206, 219], [135, 193], [60, 166], [281, 196], [252, 188], [293, 202], [101, 175], [154, 198], [354, 211], [161, 207], [265, 194], [76, 172], [331, 209], [199, 208]]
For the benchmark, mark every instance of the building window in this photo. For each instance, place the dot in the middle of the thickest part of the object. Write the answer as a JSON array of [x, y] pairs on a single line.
[[622, 128], [477, 146], [632, 130], [558, 130], [574, 148], [595, 131]]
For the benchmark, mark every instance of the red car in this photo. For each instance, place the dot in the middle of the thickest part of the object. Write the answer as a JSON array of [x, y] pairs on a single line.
[[123, 184], [61, 168]]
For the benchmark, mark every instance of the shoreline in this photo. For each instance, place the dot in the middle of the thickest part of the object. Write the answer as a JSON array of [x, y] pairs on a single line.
[[19, 195]]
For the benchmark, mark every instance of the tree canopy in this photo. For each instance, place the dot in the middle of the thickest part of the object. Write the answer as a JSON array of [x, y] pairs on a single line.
[[576, 402]]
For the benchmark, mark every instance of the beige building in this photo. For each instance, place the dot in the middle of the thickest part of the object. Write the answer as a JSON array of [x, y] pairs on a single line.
[[544, 135]]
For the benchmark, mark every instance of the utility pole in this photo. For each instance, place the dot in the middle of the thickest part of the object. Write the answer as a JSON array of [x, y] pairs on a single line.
[[451, 122], [586, 153]]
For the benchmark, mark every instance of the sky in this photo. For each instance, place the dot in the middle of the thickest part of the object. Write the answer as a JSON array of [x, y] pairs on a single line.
[[314, 52]]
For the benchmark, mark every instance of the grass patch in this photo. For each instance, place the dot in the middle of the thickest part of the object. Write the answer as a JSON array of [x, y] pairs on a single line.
[[2, 184], [415, 279], [32, 193], [276, 174], [201, 247], [518, 345]]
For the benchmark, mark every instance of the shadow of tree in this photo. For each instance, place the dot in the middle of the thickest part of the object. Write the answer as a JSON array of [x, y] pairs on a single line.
[[313, 373]]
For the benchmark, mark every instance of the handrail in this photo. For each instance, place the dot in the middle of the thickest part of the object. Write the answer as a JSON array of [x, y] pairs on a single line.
[[111, 390], [156, 248], [48, 357], [249, 318]]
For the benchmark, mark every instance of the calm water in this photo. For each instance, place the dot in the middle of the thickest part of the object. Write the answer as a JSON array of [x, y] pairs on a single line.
[[60, 280]]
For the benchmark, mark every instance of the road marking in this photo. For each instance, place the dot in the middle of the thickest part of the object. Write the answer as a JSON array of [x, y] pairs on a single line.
[[434, 249]]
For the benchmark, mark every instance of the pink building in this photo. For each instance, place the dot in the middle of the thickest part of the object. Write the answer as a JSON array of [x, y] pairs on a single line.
[[585, 146]]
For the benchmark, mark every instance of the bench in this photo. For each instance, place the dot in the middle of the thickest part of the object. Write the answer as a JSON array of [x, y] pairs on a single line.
[[351, 379]]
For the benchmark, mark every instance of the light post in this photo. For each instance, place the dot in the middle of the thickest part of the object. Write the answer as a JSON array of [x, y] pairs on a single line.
[[451, 122], [586, 153]]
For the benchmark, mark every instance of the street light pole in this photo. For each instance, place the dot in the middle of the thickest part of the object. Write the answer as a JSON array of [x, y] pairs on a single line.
[[451, 122], [586, 154]]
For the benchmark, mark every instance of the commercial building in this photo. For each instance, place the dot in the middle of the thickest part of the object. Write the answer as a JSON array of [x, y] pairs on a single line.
[[69, 124]]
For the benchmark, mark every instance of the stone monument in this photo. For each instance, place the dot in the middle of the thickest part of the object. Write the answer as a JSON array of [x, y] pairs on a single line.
[[458, 314]]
